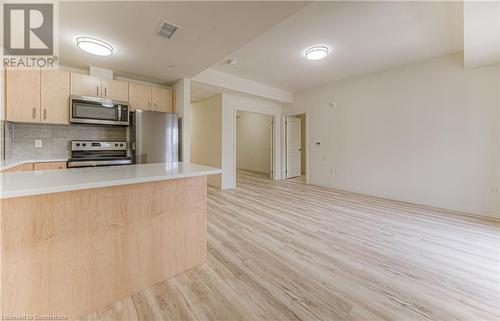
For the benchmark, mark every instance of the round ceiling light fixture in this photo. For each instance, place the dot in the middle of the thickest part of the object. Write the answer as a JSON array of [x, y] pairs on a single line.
[[317, 52], [94, 46]]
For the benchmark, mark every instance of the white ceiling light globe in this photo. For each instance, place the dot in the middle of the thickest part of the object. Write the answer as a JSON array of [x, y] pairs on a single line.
[[316, 52], [94, 46]]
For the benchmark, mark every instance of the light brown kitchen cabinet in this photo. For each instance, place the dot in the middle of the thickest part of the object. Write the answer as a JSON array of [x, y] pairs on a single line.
[[19, 168], [54, 97], [22, 95], [49, 165], [85, 85], [161, 99], [114, 89], [34, 96], [139, 96]]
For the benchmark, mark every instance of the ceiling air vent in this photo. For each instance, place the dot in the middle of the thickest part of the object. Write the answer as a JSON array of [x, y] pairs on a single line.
[[167, 29]]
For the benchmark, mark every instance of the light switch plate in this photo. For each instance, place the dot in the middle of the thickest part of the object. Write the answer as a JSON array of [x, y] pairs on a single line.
[[38, 143]]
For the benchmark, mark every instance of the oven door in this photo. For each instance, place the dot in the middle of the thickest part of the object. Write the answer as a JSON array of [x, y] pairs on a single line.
[[90, 110]]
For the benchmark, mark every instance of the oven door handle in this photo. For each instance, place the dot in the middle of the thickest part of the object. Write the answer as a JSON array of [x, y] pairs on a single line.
[[94, 163], [119, 113]]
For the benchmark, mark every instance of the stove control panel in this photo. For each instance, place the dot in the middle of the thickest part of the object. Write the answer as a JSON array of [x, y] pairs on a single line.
[[82, 145]]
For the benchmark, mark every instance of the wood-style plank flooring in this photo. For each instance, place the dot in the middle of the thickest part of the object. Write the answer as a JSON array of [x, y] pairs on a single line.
[[283, 250]]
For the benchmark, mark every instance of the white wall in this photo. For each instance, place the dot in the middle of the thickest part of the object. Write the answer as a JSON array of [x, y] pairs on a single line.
[[226, 81], [253, 142], [230, 105], [481, 33], [426, 133], [206, 135], [303, 158], [182, 94]]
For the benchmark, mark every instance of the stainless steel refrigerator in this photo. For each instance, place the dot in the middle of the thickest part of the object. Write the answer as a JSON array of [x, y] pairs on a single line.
[[154, 137]]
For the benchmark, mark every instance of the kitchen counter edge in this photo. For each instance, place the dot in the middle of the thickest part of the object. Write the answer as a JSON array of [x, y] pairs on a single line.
[[20, 184]]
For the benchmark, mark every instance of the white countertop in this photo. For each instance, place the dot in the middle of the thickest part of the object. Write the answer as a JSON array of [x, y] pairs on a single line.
[[19, 184], [6, 164]]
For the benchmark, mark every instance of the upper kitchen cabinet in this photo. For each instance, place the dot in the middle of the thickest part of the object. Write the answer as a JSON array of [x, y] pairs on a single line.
[[161, 99], [114, 89], [22, 95], [54, 97], [150, 98], [85, 85], [139, 96], [34, 96]]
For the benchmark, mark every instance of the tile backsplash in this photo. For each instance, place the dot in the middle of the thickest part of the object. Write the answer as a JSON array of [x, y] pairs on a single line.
[[19, 139]]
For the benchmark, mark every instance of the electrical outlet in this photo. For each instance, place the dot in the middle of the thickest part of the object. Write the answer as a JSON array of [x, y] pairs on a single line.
[[334, 171], [494, 189], [38, 143]]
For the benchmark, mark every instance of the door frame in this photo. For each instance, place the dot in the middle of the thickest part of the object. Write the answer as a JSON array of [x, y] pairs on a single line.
[[274, 118], [285, 142]]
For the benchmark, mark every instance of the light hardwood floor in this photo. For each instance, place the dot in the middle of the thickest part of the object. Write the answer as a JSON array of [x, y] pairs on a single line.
[[284, 250]]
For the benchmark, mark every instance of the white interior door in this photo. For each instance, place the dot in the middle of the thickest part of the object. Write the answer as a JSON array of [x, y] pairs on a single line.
[[271, 151], [293, 135]]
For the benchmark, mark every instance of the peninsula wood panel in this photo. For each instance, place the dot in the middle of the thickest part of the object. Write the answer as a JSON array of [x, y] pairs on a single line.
[[71, 253], [284, 250]]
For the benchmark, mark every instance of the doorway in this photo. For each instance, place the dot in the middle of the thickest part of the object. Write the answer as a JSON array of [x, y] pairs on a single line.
[[254, 144], [296, 147]]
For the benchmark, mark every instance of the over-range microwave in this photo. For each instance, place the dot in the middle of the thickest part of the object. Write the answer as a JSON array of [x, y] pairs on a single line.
[[95, 110]]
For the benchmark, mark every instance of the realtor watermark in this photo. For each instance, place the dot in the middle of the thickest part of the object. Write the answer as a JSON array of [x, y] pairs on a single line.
[[29, 35]]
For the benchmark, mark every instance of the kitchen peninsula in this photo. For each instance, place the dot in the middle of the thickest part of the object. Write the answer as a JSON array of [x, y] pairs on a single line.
[[76, 240]]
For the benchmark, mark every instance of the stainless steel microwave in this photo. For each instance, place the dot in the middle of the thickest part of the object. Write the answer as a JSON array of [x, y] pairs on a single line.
[[95, 110]]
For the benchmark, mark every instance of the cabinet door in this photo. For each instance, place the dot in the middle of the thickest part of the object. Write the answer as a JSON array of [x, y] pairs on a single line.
[[161, 99], [19, 168], [115, 89], [55, 96], [49, 165], [22, 93], [139, 96], [85, 85]]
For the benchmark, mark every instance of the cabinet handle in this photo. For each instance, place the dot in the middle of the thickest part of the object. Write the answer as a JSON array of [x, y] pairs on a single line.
[[34, 113], [105, 92], [45, 113], [97, 88], [149, 105]]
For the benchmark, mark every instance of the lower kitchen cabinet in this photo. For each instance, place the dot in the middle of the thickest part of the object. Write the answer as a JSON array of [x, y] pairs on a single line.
[[51, 165], [35, 166], [19, 168]]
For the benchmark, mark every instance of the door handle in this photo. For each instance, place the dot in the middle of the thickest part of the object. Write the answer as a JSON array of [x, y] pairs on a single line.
[[34, 113], [45, 113]]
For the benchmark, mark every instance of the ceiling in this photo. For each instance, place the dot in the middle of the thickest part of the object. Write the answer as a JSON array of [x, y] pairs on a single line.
[[363, 37], [207, 32], [200, 91]]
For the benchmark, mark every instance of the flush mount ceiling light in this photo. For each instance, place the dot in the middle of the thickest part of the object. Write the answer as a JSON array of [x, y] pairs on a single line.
[[94, 46], [317, 52]]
